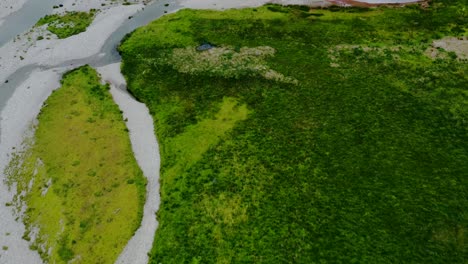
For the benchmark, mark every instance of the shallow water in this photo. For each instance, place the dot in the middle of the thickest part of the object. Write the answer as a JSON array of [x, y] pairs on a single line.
[[23, 19], [14, 80], [109, 50], [107, 55]]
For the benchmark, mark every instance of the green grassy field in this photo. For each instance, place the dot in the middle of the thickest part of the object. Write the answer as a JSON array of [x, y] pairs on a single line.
[[68, 24], [84, 189], [349, 144]]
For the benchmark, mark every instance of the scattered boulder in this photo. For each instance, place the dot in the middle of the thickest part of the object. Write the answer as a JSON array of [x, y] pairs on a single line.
[[205, 46]]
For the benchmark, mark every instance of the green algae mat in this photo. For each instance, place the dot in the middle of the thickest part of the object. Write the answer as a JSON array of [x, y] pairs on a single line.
[[78, 179], [297, 135]]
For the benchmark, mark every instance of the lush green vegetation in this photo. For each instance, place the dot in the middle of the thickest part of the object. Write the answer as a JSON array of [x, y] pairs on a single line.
[[68, 24], [84, 191], [360, 156]]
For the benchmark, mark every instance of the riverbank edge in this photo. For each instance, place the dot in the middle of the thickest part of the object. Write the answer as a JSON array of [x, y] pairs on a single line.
[[23, 128], [22, 108]]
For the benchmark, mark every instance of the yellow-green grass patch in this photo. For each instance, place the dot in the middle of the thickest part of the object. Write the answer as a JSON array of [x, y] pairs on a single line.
[[188, 147], [84, 189]]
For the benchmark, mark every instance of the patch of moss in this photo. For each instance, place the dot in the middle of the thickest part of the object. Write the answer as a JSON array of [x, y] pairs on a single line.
[[68, 24]]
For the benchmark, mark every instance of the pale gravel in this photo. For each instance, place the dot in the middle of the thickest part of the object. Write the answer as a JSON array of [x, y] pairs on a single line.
[[25, 104], [54, 51], [146, 150], [459, 45], [8, 7], [16, 119]]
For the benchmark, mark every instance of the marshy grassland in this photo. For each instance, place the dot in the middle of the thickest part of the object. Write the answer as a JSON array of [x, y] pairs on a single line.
[[78, 178], [68, 24], [360, 156]]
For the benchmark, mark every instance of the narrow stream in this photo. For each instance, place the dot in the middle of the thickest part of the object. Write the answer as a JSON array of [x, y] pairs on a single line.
[[107, 55], [23, 19]]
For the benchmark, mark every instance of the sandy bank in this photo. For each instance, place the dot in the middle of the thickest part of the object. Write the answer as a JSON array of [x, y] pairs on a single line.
[[16, 119], [146, 149]]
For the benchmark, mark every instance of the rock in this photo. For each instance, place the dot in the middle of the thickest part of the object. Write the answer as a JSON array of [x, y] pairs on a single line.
[[205, 46]]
